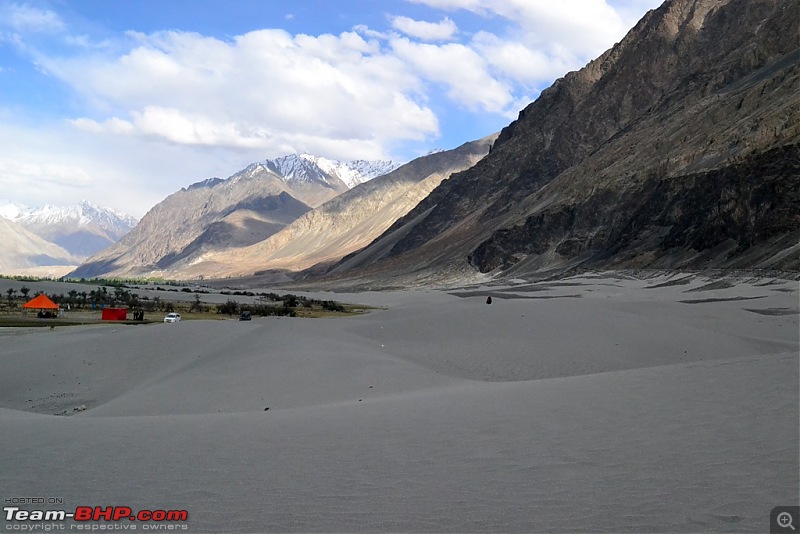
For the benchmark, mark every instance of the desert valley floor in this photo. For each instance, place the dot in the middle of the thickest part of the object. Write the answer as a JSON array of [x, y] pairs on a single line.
[[595, 403]]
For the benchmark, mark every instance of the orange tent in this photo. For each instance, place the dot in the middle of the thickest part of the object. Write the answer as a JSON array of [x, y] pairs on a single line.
[[41, 303]]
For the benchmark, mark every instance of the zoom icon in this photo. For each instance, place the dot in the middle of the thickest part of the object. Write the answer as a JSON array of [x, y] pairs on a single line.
[[783, 519]]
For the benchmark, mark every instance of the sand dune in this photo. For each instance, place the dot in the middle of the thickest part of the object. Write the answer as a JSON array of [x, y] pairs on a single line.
[[622, 409]]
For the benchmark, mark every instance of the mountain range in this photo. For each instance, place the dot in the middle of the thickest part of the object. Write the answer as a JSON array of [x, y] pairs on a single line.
[[82, 229], [342, 225], [52, 236], [220, 215], [678, 148], [23, 250]]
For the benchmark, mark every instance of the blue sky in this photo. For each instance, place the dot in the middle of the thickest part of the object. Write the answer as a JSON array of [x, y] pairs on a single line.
[[124, 102]]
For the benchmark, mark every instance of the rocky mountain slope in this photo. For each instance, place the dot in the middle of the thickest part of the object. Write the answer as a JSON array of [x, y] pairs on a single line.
[[222, 215], [82, 229], [23, 249], [677, 148], [239, 211], [344, 224]]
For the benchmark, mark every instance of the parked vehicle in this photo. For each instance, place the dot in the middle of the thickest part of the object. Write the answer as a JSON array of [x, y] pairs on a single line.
[[172, 318], [245, 316]]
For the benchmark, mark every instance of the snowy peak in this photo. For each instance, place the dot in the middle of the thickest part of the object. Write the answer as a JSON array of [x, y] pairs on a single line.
[[82, 229], [298, 170], [309, 170], [354, 172], [12, 210], [78, 215]]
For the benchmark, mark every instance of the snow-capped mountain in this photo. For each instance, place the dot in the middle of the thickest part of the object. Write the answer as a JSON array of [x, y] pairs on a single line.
[[295, 169], [220, 215], [12, 210], [312, 179], [308, 169], [214, 226], [82, 229], [84, 213], [354, 172]]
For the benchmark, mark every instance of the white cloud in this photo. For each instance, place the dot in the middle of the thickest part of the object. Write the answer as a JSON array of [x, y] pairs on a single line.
[[112, 125], [61, 165], [15, 173], [568, 33], [31, 19], [267, 88], [426, 31], [365, 30], [262, 89], [460, 69], [516, 61]]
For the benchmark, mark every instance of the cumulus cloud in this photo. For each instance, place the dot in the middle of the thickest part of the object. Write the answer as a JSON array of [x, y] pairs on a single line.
[[459, 68], [267, 89], [261, 89], [514, 60], [426, 31]]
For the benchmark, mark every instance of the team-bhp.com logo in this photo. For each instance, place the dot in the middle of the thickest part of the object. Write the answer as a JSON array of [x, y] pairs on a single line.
[[96, 514]]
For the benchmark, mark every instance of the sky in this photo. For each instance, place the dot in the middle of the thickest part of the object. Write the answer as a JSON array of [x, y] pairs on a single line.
[[124, 102]]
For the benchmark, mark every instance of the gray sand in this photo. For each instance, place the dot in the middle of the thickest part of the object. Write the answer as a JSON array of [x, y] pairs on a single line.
[[624, 410]]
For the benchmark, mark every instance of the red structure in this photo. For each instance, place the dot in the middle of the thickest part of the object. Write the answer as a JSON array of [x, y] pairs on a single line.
[[115, 314]]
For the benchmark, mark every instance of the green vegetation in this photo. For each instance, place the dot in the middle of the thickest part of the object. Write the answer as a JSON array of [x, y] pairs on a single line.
[[122, 281], [84, 307], [289, 305]]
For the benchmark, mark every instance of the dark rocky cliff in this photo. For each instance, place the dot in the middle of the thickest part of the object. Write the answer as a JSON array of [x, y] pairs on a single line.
[[733, 216]]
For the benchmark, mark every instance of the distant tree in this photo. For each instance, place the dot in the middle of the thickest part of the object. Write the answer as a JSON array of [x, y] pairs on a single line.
[[230, 307], [196, 304], [332, 305], [25, 290], [121, 296], [266, 310], [11, 292]]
